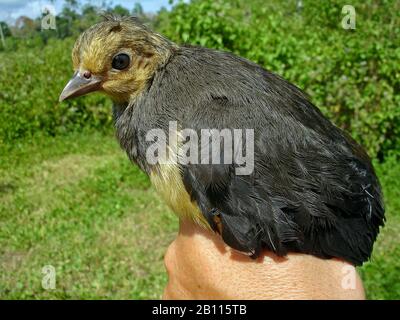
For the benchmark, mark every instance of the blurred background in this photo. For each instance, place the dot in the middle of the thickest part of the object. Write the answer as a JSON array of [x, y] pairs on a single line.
[[70, 201]]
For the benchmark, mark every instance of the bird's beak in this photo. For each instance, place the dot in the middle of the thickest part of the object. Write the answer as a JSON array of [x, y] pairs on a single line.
[[79, 86]]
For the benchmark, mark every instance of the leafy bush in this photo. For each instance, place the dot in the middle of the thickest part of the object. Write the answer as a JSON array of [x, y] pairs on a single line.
[[352, 75], [30, 83]]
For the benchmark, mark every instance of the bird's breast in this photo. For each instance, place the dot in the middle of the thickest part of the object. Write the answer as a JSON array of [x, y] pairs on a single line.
[[167, 180]]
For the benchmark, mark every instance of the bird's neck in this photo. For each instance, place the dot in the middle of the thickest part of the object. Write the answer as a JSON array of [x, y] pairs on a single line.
[[120, 105], [118, 109]]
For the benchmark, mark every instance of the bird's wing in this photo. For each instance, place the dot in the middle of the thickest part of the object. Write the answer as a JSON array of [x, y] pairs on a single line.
[[309, 192]]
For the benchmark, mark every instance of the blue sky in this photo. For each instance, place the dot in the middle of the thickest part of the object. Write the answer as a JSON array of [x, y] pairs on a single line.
[[12, 9]]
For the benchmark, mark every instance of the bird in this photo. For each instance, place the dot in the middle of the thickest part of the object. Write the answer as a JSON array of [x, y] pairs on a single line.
[[312, 190]]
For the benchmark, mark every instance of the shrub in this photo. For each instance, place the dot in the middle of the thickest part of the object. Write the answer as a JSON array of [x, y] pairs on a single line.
[[30, 83], [352, 75]]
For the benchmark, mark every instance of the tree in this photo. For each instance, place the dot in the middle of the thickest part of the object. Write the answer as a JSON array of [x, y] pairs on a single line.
[[89, 9], [120, 10], [72, 4], [5, 29], [137, 10]]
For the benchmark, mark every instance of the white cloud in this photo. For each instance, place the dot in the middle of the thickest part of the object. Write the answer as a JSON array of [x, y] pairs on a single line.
[[31, 9], [10, 10], [12, 2]]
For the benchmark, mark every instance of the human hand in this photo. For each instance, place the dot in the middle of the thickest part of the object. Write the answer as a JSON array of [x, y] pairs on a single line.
[[201, 266]]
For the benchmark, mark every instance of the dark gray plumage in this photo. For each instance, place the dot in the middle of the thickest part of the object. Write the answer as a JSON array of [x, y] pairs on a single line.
[[313, 189]]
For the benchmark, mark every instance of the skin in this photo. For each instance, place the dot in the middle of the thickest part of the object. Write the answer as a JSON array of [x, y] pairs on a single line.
[[201, 266]]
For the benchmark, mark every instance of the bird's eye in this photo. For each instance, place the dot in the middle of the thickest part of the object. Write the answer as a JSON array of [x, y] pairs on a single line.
[[120, 61]]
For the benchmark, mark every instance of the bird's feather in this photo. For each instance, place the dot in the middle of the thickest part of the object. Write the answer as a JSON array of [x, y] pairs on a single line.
[[313, 189]]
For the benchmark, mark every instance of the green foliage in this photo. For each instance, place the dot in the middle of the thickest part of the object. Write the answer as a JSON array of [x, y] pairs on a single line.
[[29, 94], [352, 75], [381, 274], [137, 10], [206, 23], [5, 29], [35, 66], [121, 10]]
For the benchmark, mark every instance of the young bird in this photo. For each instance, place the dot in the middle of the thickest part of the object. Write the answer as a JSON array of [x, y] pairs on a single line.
[[313, 189]]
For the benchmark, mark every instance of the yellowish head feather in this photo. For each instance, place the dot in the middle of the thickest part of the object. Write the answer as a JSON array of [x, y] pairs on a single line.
[[97, 46]]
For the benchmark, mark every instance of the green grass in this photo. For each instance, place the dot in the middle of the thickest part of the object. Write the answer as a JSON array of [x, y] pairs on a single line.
[[382, 274], [76, 203]]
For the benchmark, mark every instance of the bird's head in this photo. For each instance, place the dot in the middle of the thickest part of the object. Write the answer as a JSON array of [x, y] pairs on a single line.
[[118, 57]]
